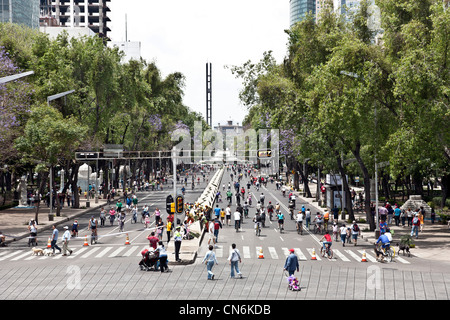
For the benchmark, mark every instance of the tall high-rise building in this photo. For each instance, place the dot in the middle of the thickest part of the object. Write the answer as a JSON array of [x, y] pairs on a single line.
[[90, 14], [24, 12], [299, 9]]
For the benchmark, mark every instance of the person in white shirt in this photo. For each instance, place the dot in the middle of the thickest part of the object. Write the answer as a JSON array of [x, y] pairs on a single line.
[[237, 220], [66, 239], [235, 259], [211, 232]]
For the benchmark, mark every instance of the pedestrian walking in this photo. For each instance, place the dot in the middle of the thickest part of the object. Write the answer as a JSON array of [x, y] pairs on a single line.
[[209, 260], [153, 240], [211, 235], [217, 227], [55, 239], [235, 259], [168, 229], [177, 240], [66, 239], [102, 216], [343, 232], [415, 226], [355, 232], [291, 263], [162, 257], [112, 216]]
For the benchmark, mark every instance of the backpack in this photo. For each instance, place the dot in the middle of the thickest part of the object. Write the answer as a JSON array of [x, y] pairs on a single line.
[[216, 225], [355, 227]]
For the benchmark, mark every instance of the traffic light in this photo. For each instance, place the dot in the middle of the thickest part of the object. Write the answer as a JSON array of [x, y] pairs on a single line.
[[179, 204], [169, 203], [172, 207]]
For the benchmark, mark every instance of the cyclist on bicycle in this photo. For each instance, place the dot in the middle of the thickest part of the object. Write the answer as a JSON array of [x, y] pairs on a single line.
[[258, 221], [277, 208], [299, 220], [280, 217], [384, 243], [291, 209], [93, 227], [270, 210], [318, 220], [326, 239], [261, 199]]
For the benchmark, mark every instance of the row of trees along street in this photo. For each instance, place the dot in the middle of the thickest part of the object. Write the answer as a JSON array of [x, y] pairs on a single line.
[[341, 95], [113, 102]]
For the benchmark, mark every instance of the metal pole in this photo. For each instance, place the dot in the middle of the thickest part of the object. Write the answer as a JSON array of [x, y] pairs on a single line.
[[174, 164], [50, 217]]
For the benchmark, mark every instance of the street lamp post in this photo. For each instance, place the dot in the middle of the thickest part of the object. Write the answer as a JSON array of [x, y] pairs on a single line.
[[51, 98]]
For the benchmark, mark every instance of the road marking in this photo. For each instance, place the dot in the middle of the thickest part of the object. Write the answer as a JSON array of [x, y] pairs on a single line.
[[12, 254], [219, 251], [300, 254], [246, 252], [130, 251], [115, 253], [90, 252], [341, 255], [354, 255], [273, 253], [76, 253], [101, 254], [21, 256]]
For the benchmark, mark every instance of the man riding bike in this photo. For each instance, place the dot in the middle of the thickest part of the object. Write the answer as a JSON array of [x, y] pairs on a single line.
[[383, 244], [270, 210], [257, 220], [318, 220], [326, 240], [291, 209], [280, 217], [300, 222]]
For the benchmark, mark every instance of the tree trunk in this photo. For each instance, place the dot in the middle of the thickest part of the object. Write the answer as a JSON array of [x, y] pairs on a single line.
[[369, 217]]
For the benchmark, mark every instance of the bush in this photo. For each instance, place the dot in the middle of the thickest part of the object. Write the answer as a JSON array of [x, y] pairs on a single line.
[[437, 202]]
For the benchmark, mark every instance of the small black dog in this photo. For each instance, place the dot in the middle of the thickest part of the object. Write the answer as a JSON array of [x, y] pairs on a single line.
[[404, 247]]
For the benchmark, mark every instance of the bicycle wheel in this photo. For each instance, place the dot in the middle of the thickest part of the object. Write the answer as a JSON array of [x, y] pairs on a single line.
[[330, 254], [322, 253]]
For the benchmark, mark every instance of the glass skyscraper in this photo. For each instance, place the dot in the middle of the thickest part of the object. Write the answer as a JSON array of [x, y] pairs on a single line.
[[299, 9], [24, 12]]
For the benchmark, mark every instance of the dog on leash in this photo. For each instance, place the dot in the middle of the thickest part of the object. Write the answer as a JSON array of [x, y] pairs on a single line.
[[37, 252], [48, 252], [404, 247]]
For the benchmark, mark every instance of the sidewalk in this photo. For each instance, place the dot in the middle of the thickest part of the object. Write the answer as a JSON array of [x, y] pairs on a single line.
[[14, 221], [433, 242]]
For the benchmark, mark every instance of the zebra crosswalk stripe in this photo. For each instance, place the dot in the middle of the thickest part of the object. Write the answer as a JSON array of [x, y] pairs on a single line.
[[354, 255], [300, 254], [90, 252], [21, 256], [273, 253], [105, 251], [115, 253], [246, 251], [76, 253], [341, 256], [12, 254]]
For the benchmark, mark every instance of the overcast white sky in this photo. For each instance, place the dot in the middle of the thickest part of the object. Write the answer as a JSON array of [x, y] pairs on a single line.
[[183, 35]]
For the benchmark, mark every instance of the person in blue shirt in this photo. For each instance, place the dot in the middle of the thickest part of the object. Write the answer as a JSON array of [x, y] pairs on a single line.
[[383, 242], [217, 211], [291, 263], [397, 214], [383, 226]]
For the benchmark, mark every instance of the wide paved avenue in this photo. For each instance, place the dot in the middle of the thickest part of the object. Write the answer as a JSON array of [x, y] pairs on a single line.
[[110, 268]]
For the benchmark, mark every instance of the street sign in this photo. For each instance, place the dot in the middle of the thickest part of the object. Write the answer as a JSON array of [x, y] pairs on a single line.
[[264, 153]]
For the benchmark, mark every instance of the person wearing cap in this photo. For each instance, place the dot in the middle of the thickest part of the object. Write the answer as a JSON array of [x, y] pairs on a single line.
[[291, 263], [177, 240], [66, 239]]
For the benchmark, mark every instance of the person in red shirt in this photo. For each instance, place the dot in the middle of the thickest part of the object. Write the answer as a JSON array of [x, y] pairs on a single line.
[[326, 239], [153, 240]]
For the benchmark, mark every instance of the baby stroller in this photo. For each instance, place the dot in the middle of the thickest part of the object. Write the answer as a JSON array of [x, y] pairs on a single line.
[[149, 260], [293, 283]]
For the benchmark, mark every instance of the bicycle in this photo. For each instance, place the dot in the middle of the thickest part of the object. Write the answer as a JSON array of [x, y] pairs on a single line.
[[121, 225], [318, 228], [328, 251], [300, 227], [389, 253], [281, 226]]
